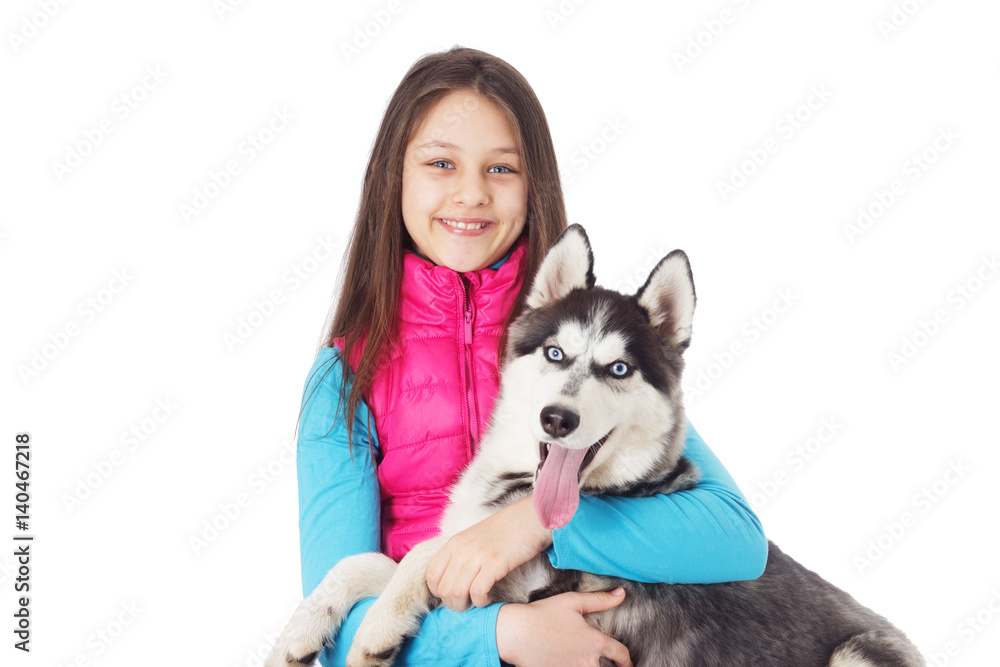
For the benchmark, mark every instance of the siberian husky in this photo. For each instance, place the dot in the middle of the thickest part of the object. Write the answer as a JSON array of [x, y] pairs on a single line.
[[590, 401]]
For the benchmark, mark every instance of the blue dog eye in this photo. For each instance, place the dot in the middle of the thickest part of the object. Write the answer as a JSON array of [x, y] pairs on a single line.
[[619, 368], [554, 353]]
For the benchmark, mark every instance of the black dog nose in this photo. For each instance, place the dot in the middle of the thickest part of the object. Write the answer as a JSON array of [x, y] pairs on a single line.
[[557, 422]]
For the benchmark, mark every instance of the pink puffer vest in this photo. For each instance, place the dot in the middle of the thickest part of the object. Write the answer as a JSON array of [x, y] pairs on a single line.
[[433, 399]]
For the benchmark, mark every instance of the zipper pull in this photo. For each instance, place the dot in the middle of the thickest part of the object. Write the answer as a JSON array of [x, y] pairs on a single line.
[[467, 309]]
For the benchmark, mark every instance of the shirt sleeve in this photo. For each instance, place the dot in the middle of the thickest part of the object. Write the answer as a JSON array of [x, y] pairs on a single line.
[[339, 514], [704, 535]]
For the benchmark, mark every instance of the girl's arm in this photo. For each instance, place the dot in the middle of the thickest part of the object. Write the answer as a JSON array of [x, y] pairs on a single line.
[[705, 535], [339, 516]]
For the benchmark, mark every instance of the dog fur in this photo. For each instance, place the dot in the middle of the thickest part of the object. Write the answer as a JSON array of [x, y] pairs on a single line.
[[596, 374]]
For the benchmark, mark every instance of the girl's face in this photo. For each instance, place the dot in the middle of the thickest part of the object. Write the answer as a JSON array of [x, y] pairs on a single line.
[[465, 197]]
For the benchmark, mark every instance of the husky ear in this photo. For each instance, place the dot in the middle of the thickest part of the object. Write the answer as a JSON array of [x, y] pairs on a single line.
[[668, 296], [568, 265]]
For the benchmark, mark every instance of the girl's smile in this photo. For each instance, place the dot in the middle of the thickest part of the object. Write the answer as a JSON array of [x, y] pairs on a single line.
[[465, 196]]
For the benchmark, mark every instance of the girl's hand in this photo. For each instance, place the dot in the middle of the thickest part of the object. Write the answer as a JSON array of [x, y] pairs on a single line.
[[553, 633], [468, 565]]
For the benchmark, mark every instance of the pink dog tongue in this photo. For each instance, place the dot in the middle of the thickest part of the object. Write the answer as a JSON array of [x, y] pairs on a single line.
[[557, 486]]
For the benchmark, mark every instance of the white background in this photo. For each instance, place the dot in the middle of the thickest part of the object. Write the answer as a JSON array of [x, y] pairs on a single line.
[[662, 135]]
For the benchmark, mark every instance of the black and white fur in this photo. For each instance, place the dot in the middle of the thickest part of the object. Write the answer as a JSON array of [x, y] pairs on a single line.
[[788, 617]]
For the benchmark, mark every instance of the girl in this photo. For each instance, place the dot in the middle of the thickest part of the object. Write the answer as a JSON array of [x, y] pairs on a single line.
[[461, 199]]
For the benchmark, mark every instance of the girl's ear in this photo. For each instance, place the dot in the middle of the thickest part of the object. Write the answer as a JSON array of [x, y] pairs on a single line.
[[568, 265], [668, 297]]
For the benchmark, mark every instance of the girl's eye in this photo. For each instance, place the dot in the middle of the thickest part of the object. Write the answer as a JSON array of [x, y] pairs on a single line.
[[619, 368], [554, 353], [444, 164], [506, 170]]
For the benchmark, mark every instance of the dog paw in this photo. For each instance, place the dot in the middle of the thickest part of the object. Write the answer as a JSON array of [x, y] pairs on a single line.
[[377, 641], [293, 650], [291, 661], [363, 657], [381, 635]]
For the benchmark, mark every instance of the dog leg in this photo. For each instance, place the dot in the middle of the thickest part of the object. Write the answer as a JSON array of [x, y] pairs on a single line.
[[398, 612], [319, 616], [877, 648]]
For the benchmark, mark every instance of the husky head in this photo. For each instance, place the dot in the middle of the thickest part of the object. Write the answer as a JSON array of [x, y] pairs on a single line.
[[597, 375]]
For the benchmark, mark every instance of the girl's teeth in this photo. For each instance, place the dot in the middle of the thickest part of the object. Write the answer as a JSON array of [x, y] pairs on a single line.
[[463, 225]]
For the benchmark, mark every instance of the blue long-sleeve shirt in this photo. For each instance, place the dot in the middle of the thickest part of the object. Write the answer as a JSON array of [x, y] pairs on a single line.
[[704, 535]]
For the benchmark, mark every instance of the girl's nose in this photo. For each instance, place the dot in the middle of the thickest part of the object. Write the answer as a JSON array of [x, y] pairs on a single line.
[[470, 189]]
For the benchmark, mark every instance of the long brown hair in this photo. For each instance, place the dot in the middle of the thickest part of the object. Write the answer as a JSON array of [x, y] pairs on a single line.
[[368, 305]]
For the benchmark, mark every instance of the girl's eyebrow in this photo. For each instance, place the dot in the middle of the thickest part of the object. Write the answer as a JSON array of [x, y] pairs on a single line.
[[502, 150]]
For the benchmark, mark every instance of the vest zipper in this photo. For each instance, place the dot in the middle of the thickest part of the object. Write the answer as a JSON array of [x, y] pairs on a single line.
[[470, 385]]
